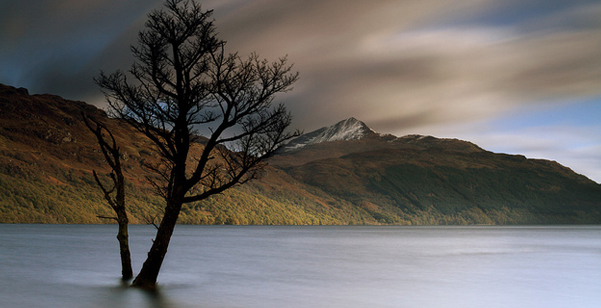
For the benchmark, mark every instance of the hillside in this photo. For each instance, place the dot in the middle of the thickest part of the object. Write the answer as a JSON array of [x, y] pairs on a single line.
[[47, 156], [435, 185], [341, 174], [425, 180]]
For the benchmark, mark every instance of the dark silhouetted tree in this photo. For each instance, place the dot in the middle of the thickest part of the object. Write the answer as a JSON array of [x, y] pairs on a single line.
[[115, 195], [187, 92]]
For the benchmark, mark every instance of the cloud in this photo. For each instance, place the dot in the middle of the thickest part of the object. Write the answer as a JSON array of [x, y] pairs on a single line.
[[397, 66], [331, 43], [471, 77], [410, 62], [48, 45]]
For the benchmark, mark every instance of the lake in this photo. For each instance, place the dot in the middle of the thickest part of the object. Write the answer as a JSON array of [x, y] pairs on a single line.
[[307, 266]]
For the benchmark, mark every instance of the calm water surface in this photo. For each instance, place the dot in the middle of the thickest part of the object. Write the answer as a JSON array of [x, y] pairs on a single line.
[[210, 266]]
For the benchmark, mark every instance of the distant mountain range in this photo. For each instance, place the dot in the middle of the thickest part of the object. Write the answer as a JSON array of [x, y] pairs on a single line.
[[340, 174]]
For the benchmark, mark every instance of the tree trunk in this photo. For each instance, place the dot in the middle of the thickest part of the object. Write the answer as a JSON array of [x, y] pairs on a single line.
[[123, 237], [147, 278], [117, 202]]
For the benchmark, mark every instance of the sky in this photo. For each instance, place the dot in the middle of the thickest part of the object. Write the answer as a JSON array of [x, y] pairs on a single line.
[[512, 76]]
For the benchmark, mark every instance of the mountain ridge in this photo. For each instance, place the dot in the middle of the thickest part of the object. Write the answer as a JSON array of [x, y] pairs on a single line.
[[354, 129], [314, 146]]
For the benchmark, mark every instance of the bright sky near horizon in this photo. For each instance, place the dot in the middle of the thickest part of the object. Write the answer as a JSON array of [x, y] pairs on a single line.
[[513, 76]]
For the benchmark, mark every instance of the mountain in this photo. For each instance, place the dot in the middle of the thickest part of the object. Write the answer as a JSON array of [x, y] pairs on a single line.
[[349, 129], [341, 174], [418, 179], [359, 138]]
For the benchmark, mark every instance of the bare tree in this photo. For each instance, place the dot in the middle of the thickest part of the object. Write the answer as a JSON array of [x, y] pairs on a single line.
[[115, 195], [186, 86]]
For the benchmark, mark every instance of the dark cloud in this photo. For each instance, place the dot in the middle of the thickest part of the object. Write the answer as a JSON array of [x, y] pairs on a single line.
[[50, 46]]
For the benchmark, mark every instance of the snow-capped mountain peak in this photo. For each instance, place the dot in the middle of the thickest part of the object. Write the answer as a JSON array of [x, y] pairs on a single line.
[[349, 129]]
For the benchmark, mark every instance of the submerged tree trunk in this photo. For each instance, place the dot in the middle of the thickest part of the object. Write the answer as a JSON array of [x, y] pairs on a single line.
[[115, 196], [123, 238], [123, 234], [127, 272], [147, 278]]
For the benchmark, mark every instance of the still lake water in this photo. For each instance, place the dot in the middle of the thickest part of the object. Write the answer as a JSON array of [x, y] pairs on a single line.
[[285, 266]]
